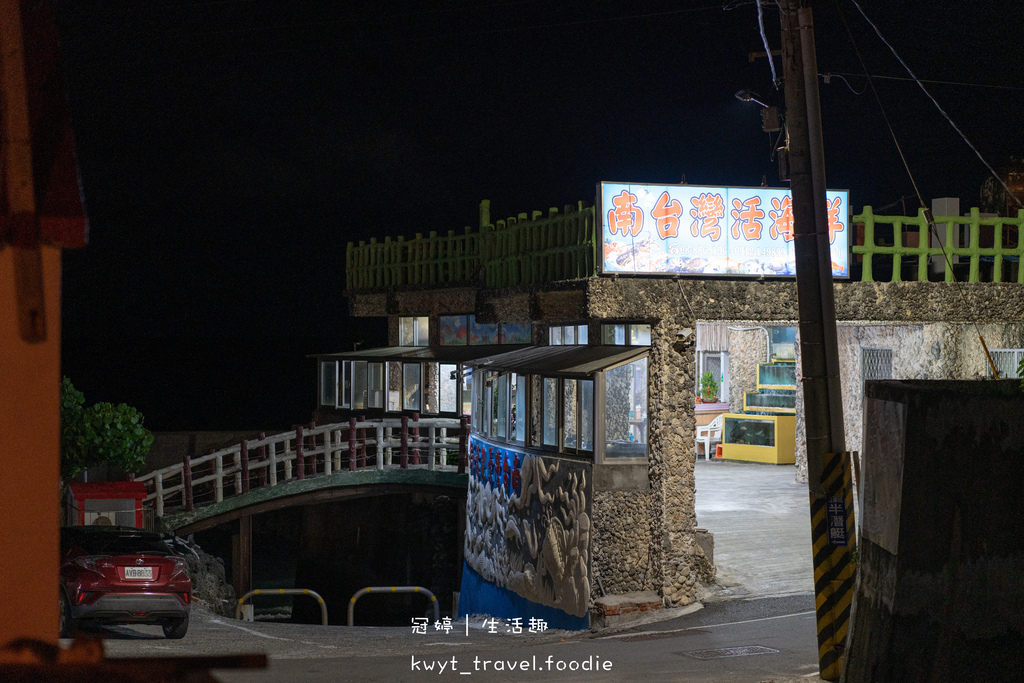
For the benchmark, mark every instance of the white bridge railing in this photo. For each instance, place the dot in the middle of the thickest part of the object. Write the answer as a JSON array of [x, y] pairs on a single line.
[[305, 453]]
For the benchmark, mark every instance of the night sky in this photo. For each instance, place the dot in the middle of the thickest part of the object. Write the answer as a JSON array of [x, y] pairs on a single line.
[[229, 150]]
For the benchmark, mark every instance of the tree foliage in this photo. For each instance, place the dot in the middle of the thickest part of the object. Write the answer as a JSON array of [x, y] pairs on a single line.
[[102, 434]]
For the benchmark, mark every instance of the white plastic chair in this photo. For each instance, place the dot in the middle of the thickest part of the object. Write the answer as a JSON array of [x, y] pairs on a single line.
[[708, 433]]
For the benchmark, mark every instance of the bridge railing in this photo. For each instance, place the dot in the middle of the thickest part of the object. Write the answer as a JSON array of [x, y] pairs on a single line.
[[307, 452]]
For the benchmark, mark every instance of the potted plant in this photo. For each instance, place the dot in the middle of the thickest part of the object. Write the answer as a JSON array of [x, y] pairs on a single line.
[[708, 387]]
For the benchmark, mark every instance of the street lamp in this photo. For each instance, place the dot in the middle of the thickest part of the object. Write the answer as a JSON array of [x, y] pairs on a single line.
[[749, 96]]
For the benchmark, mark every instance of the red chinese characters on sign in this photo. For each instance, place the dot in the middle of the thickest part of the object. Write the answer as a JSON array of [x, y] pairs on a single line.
[[834, 224], [747, 217], [625, 217], [666, 216], [708, 209], [782, 218]]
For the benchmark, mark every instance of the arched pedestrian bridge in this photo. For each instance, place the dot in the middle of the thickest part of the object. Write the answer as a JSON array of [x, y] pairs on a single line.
[[326, 507], [308, 465]]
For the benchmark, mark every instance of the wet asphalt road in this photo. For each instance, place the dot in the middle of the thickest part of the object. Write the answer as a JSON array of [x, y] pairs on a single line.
[[760, 614], [769, 639]]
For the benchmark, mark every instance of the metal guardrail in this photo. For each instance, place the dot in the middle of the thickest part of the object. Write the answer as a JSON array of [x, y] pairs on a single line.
[[286, 591], [392, 589]]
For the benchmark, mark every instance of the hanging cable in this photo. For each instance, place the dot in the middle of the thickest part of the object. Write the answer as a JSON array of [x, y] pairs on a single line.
[[767, 50], [927, 211], [827, 77], [935, 102]]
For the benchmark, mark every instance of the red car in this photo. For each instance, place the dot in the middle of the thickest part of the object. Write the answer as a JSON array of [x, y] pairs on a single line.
[[121, 575]]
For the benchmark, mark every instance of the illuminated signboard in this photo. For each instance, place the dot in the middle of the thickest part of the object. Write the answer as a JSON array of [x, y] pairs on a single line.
[[693, 230]]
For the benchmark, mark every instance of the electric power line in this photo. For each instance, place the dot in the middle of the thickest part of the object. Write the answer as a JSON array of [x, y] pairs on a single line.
[[936, 103]]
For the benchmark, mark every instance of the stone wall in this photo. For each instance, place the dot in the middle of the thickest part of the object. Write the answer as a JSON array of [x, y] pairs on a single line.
[[663, 533], [746, 349], [624, 546], [922, 351]]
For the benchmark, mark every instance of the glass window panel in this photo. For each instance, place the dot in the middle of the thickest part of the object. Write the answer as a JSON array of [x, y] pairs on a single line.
[[454, 331], [394, 380], [467, 392], [406, 331], [614, 335], [329, 383], [359, 385], [626, 410], [500, 406], [516, 333], [412, 331], [448, 390], [555, 336], [481, 333], [586, 389], [550, 411], [430, 382], [345, 388], [639, 335], [487, 404], [569, 414], [375, 385], [582, 332], [517, 400], [411, 386], [569, 335]]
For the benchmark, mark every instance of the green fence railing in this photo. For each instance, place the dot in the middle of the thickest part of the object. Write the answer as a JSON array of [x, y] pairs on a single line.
[[537, 248], [522, 251], [432, 260], [515, 251], [910, 238]]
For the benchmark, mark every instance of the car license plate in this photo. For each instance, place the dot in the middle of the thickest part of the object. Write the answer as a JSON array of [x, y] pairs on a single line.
[[139, 573]]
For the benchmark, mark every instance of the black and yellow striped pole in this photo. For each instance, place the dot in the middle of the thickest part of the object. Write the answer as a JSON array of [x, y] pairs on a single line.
[[834, 541]]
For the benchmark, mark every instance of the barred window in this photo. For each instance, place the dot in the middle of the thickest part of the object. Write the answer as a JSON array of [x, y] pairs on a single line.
[[875, 364], [1006, 361]]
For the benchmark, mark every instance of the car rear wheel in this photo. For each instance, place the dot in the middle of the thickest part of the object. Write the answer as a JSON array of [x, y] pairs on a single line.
[[68, 626], [176, 629]]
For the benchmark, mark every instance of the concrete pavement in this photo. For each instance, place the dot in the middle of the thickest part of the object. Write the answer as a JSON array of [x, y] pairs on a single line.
[[762, 524]]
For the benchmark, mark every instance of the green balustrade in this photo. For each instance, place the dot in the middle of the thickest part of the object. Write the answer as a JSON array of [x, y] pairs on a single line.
[[537, 248], [516, 251], [1005, 232]]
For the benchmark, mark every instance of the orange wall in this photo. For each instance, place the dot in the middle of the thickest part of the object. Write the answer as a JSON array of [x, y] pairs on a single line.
[[29, 461]]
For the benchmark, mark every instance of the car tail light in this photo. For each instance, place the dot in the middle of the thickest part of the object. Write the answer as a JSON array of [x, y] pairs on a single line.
[[185, 597], [88, 597]]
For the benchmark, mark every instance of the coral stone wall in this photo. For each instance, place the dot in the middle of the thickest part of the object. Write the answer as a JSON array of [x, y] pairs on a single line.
[[747, 348], [624, 547], [928, 324], [919, 351]]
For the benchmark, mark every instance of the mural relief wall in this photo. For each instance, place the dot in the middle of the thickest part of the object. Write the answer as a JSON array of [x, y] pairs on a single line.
[[528, 525]]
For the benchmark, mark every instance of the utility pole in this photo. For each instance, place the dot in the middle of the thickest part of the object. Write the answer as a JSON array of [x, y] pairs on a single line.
[[827, 465]]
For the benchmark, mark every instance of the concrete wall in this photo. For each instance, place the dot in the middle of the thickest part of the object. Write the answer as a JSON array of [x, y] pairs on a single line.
[[939, 595]]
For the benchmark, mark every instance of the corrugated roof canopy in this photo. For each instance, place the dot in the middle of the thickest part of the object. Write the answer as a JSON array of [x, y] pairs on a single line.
[[562, 361], [443, 354]]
